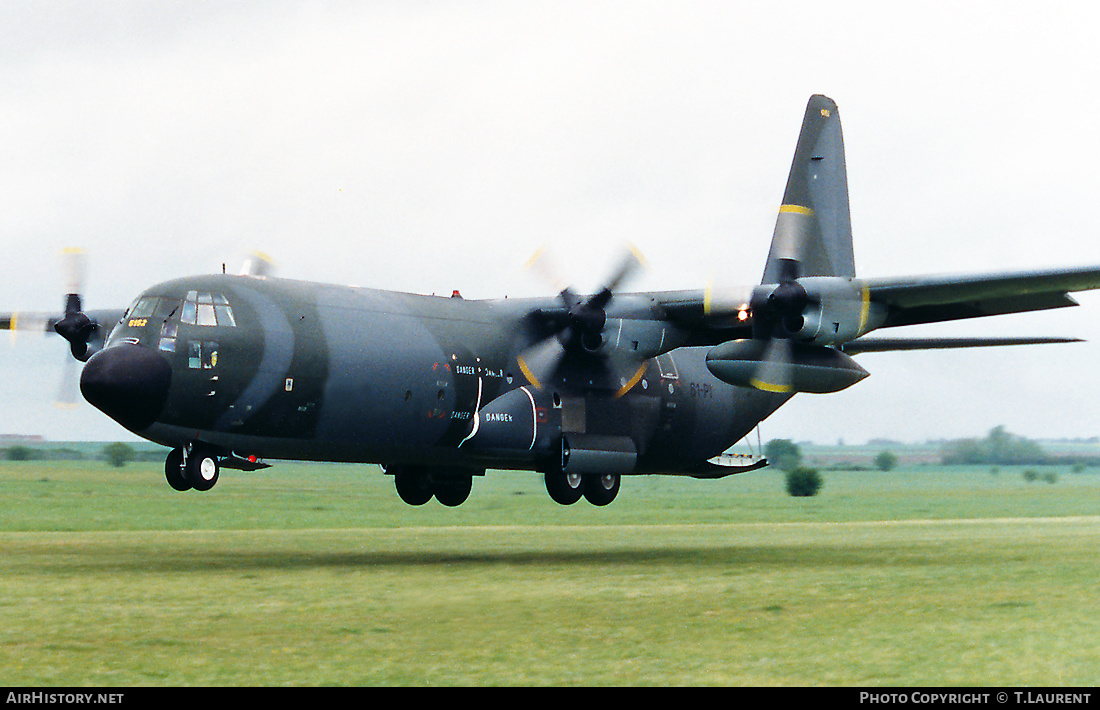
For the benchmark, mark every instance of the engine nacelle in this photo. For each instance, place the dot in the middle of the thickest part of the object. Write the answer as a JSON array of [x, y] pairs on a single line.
[[813, 368], [836, 310], [839, 310]]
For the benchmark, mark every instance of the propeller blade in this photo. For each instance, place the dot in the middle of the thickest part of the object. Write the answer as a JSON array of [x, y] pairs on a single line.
[[788, 270], [774, 372], [39, 322], [541, 264], [630, 265], [539, 363], [721, 299], [73, 267], [257, 264], [793, 229], [69, 386]]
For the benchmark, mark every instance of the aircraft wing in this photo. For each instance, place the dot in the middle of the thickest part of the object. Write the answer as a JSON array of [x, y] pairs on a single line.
[[692, 311], [713, 316], [931, 299]]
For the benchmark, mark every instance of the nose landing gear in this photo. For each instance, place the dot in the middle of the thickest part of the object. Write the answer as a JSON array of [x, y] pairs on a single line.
[[194, 466]]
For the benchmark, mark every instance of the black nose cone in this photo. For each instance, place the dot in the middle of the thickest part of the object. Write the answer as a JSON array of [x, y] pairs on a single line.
[[128, 383]]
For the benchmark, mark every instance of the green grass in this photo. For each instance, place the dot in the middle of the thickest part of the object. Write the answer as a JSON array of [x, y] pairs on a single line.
[[319, 575]]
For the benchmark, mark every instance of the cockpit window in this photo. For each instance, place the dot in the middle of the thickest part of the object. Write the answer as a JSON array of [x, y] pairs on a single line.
[[166, 308], [143, 308], [207, 309], [206, 314], [225, 313]]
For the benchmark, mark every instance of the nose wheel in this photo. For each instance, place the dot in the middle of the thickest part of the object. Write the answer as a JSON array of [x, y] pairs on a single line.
[[173, 471], [195, 466]]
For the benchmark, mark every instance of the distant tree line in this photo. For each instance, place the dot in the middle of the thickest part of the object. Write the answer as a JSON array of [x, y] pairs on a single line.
[[999, 447], [116, 454], [20, 452]]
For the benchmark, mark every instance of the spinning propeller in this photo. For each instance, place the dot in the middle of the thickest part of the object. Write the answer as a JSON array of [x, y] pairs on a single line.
[[776, 317], [75, 326], [82, 331], [573, 331]]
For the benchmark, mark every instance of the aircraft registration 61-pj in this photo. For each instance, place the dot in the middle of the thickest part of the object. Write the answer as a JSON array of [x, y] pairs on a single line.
[[230, 370]]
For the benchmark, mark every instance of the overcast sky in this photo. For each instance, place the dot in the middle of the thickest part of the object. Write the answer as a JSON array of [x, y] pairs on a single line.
[[428, 146]]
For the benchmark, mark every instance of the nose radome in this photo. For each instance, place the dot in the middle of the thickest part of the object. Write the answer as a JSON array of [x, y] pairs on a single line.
[[128, 383]]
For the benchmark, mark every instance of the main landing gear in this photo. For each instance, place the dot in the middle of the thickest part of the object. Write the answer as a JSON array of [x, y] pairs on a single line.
[[417, 485], [568, 488], [193, 466]]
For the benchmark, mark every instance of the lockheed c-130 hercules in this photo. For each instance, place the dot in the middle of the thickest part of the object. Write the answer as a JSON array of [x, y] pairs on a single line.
[[229, 370]]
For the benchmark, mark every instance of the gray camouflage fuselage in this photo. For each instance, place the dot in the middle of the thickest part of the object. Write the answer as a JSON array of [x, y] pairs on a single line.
[[331, 373]]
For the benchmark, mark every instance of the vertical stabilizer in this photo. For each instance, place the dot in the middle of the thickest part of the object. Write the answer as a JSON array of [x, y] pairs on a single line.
[[813, 233]]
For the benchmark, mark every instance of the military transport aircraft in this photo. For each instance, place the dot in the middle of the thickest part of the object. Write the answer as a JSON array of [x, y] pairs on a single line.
[[228, 370]]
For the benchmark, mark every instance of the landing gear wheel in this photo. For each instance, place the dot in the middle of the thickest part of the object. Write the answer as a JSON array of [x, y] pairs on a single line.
[[601, 489], [202, 468], [564, 488], [173, 471], [453, 490], [413, 485]]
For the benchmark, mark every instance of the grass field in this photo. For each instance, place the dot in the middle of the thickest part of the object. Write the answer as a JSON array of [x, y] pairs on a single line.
[[319, 575]]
